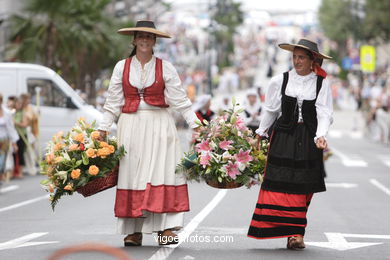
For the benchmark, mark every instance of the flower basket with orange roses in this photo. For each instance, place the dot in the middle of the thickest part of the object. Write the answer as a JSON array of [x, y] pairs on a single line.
[[75, 160]]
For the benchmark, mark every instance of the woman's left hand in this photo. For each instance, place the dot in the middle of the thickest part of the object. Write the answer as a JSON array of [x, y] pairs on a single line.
[[321, 143]]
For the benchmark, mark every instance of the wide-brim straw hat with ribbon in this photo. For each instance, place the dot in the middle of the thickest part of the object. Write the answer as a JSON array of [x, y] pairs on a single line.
[[305, 44], [144, 26]]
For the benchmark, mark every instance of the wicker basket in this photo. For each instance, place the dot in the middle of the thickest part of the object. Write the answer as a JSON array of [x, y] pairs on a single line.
[[99, 184], [224, 184]]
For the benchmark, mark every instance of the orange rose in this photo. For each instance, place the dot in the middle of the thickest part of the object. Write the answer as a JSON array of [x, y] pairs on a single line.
[[79, 137], [75, 174], [49, 158], [57, 147], [68, 187], [95, 135], [90, 153], [73, 147], [58, 159], [103, 144], [104, 152], [111, 148], [93, 170], [51, 188]]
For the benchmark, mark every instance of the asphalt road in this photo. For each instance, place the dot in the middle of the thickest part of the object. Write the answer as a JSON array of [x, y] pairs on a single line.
[[349, 221]]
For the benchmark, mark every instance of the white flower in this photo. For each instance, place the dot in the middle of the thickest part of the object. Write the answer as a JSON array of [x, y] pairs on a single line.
[[226, 156], [62, 175], [241, 166], [213, 145], [65, 155]]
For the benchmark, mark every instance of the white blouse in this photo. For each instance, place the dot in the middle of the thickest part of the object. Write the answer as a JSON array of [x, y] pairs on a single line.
[[7, 127], [175, 95], [303, 88]]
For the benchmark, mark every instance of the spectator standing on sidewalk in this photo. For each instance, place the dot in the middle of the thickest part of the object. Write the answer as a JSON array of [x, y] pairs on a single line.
[[295, 166], [21, 123], [252, 106], [150, 196], [8, 135], [202, 108], [30, 156]]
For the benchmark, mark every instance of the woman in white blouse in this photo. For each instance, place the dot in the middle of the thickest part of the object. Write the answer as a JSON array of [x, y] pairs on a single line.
[[150, 196], [8, 135], [301, 103]]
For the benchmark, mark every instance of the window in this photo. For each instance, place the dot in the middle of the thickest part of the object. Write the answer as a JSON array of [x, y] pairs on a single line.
[[50, 95]]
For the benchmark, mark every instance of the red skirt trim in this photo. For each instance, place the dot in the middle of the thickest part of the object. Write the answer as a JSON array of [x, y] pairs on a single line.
[[156, 199], [279, 215]]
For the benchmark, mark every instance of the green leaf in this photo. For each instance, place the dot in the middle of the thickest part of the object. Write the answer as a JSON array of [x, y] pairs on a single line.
[[85, 159]]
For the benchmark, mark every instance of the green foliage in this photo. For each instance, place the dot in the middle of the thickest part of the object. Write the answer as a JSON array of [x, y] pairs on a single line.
[[377, 20], [228, 17]]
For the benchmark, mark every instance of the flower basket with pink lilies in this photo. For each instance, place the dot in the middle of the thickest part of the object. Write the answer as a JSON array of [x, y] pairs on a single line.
[[225, 153]]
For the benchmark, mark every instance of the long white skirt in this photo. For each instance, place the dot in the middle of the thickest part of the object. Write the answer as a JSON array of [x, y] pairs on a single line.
[[150, 195]]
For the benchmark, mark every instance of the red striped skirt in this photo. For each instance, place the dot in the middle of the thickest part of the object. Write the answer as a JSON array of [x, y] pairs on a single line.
[[279, 214]]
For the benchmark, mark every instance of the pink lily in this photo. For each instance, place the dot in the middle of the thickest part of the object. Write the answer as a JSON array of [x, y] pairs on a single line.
[[243, 157], [205, 159], [204, 146], [226, 145], [232, 170], [240, 123]]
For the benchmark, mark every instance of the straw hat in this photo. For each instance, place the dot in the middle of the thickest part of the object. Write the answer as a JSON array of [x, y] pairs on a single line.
[[305, 44], [144, 26]]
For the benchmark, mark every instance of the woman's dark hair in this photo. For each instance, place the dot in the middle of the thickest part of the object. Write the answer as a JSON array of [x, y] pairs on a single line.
[[134, 51], [309, 53]]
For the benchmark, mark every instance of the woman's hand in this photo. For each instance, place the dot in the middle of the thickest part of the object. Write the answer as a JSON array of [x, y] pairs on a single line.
[[258, 143], [103, 135], [14, 147], [321, 143]]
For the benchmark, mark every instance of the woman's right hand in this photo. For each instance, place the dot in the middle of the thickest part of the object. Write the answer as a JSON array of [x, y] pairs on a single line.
[[103, 135], [14, 147], [258, 143]]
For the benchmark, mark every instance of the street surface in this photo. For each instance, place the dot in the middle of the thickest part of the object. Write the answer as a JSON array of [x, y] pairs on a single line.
[[349, 221]]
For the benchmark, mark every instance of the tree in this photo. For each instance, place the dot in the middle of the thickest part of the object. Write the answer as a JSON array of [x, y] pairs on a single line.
[[377, 20], [75, 38], [228, 17], [341, 20]]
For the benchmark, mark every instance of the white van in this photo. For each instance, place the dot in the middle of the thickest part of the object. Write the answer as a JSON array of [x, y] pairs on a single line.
[[60, 105]]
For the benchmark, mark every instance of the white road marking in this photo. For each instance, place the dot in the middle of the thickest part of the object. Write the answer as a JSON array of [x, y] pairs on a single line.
[[9, 188], [380, 186], [340, 134], [24, 241], [338, 242], [23, 203], [348, 161], [386, 162], [164, 252], [341, 185], [356, 134], [335, 134]]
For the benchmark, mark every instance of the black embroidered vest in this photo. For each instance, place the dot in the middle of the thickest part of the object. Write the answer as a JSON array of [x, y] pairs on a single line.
[[289, 118]]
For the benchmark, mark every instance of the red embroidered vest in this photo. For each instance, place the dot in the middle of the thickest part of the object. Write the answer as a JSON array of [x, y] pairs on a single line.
[[153, 95]]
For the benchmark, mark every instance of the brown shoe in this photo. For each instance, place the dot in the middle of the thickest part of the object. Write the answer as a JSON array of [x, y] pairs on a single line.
[[133, 239], [167, 237], [295, 242]]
